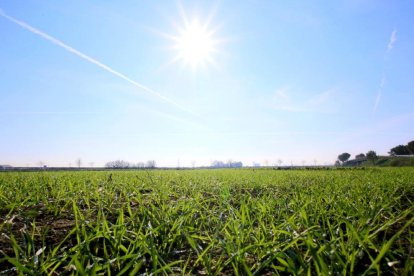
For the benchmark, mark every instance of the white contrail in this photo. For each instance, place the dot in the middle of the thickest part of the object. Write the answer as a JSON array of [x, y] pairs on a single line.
[[393, 39], [89, 59], [379, 94], [390, 46], [377, 100]]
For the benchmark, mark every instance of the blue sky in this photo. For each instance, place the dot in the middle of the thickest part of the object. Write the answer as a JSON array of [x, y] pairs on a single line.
[[290, 80]]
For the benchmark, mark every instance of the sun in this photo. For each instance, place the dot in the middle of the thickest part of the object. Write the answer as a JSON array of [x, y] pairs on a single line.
[[195, 44]]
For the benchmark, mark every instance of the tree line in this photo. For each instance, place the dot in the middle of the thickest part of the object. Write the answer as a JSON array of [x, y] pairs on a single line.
[[371, 155], [228, 164], [403, 149], [121, 164]]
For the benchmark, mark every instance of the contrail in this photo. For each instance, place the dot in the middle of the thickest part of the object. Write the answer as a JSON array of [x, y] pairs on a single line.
[[393, 39], [89, 59], [379, 94], [390, 46]]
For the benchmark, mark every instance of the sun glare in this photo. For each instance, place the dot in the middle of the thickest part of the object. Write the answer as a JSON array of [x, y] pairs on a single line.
[[195, 44]]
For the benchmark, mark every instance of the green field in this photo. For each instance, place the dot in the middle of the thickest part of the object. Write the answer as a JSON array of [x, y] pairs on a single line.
[[208, 222]]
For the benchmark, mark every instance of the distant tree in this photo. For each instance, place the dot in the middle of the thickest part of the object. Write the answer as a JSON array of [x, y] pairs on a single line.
[[217, 164], [235, 164], [118, 164], [344, 157], [279, 162], [79, 163], [337, 163], [228, 164], [151, 164], [372, 156], [410, 147], [399, 150], [140, 165], [360, 156]]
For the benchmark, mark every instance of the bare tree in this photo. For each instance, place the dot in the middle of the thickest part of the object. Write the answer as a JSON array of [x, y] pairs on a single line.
[[118, 164], [79, 162], [151, 164]]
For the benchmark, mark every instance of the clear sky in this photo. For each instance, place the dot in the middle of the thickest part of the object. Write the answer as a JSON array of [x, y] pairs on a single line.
[[176, 81]]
